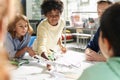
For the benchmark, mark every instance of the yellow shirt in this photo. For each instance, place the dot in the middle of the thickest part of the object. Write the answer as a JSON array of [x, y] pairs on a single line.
[[47, 36]]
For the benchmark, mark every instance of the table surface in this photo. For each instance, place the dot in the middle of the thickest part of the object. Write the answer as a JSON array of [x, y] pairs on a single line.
[[67, 66]]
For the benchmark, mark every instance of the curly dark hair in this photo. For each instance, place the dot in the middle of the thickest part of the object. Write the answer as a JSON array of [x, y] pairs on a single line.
[[49, 5], [102, 1], [110, 27]]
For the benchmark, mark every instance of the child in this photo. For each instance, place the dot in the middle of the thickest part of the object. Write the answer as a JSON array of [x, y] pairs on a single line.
[[109, 42], [18, 37], [50, 29]]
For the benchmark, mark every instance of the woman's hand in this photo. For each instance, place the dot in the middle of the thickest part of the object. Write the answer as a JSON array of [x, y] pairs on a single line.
[[93, 56]]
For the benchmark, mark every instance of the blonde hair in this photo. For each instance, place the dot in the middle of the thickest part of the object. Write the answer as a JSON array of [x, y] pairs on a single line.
[[12, 25]]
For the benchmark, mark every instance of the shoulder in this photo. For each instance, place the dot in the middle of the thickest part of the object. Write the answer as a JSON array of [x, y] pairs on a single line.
[[90, 73], [8, 36], [95, 72], [27, 35], [99, 71], [42, 24], [62, 21], [97, 67], [8, 39]]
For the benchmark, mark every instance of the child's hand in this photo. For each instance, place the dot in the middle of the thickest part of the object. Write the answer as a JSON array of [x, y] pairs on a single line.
[[30, 51], [44, 56], [63, 49]]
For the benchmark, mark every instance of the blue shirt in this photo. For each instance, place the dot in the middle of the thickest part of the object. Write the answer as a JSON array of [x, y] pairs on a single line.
[[13, 45], [93, 44]]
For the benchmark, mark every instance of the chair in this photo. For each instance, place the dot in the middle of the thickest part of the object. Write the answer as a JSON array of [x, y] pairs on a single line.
[[31, 41], [82, 38]]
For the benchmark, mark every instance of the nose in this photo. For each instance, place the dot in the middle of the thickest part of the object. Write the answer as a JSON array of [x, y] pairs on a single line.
[[24, 27]]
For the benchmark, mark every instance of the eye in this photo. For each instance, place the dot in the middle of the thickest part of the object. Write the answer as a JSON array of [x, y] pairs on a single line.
[[20, 26], [26, 26]]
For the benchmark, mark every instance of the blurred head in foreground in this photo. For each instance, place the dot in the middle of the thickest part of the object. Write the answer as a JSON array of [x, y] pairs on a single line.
[[7, 12], [109, 39]]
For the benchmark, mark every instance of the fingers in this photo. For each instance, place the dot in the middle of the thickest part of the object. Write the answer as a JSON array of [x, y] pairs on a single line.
[[30, 51], [90, 55], [93, 56], [64, 50], [44, 56]]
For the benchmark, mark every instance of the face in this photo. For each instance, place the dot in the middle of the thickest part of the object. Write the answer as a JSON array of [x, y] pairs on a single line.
[[21, 28], [53, 17], [101, 8], [105, 47]]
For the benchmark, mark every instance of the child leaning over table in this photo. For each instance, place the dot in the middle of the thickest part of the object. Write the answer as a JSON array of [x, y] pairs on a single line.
[[18, 37], [109, 42], [50, 29]]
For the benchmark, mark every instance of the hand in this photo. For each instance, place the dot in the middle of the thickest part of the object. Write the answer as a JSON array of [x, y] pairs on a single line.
[[44, 55], [30, 51], [22, 51], [93, 56], [63, 49], [49, 67]]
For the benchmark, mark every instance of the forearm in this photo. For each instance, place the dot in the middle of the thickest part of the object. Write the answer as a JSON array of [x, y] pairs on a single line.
[[63, 49], [20, 52], [42, 40], [93, 56], [60, 43], [93, 44], [42, 50]]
